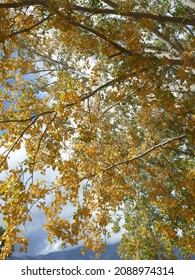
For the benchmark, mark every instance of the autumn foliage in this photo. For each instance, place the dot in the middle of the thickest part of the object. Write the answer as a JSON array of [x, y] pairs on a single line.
[[102, 93]]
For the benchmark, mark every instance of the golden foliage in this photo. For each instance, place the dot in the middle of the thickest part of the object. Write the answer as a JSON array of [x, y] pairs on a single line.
[[102, 95]]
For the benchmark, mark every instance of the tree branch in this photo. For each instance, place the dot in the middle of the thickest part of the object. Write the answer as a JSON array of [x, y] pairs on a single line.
[[115, 104], [114, 55], [29, 28], [161, 144], [102, 36], [34, 119], [166, 39], [21, 4], [122, 49], [64, 65], [17, 140], [29, 119], [88, 95], [138, 15]]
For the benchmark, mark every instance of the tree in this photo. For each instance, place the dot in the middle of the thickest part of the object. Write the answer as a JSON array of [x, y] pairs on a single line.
[[2, 241], [102, 92]]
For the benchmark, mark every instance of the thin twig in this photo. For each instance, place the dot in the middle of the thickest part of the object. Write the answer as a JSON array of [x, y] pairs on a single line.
[[29, 28], [34, 119], [140, 156], [115, 104], [18, 139]]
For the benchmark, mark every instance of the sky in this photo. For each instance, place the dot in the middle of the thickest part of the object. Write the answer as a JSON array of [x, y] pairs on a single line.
[[38, 243]]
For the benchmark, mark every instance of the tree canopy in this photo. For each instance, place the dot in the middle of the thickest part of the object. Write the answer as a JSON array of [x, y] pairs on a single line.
[[102, 92]]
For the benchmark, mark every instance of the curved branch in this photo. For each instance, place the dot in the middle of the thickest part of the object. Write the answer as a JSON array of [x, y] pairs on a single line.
[[29, 119], [115, 104], [17, 140], [161, 144], [34, 119]]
